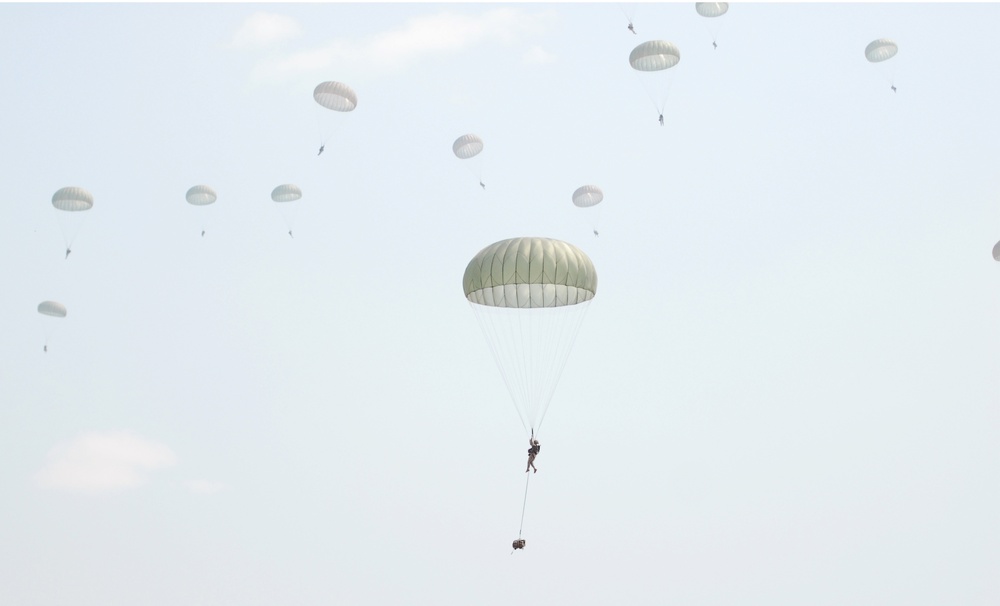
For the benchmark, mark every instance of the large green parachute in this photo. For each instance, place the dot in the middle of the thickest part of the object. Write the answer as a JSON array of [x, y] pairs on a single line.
[[530, 296]]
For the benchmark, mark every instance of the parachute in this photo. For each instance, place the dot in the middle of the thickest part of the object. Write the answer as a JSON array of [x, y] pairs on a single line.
[[711, 9], [72, 201], [650, 58], [286, 193], [201, 195], [52, 308], [996, 251], [529, 296], [336, 96], [587, 196], [283, 194], [880, 50], [467, 147], [55, 310], [654, 56]]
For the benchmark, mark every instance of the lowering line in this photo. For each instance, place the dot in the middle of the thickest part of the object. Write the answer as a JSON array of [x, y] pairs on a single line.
[[524, 505]]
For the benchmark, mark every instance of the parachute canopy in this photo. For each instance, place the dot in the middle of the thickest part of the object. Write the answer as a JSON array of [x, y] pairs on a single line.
[[286, 193], [467, 146], [996, 251], [73, 199], [201, 195], [336, 96], [529, 296], [711, 9], [530, 273], [52, 308], [654, 56], [587, 196], [880, 50]]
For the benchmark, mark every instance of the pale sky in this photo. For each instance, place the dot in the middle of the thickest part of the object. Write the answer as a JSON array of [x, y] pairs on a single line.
[[785, 392]]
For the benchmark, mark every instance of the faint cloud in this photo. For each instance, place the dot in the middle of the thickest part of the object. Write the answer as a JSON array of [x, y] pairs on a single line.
[[537, 54], [101, 462], [206, 486], [264, 29], [421, 36]]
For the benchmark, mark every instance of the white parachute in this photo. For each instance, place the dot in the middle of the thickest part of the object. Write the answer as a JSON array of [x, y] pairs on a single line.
[[336, 96], [72, 199], [52, 309], [286, 193], [654, 56], [712, 10], [284, 196], [466, 148], [879, 51], [72, 202], [201, 195], [529, 296], [650, 60], [587, 197], [996, 251]]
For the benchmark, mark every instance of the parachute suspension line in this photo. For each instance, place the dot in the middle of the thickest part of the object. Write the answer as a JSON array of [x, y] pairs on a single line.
[[524, 505], [567, 334], [629, 14], [488, 325], [530, 347], [70, 224], [319, 128], [713, 32], [650, 93]]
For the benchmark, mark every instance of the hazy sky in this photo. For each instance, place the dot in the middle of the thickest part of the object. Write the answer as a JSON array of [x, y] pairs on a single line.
[[786, 391]]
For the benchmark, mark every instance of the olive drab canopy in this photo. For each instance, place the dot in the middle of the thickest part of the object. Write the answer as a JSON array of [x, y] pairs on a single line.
[[72, 199], [880, 50], [529, 296], [52, 308], [336, 96], [587, 196], [530, 273], [467, 146], [201, 195]]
